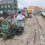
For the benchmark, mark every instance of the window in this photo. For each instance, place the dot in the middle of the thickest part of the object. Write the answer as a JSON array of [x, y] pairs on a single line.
[[1, 6], [5, 6], [8, 6]]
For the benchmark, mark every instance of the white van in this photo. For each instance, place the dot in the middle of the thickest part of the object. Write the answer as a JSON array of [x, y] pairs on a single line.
[[43, 13]]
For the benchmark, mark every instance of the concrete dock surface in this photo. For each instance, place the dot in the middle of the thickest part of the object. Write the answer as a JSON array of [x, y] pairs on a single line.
[[34, 33]]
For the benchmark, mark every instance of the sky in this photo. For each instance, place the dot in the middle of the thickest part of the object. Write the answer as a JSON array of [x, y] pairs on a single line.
[[26, 3]]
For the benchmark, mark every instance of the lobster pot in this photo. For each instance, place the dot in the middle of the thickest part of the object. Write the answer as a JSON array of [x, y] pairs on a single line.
[[4, 28], [18, 23]]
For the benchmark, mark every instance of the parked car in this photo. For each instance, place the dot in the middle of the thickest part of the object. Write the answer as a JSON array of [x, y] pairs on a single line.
[[43, 13], [37, 12]]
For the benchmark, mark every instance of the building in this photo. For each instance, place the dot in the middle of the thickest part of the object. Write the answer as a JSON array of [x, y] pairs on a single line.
[[8, 5], [31, 8]]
